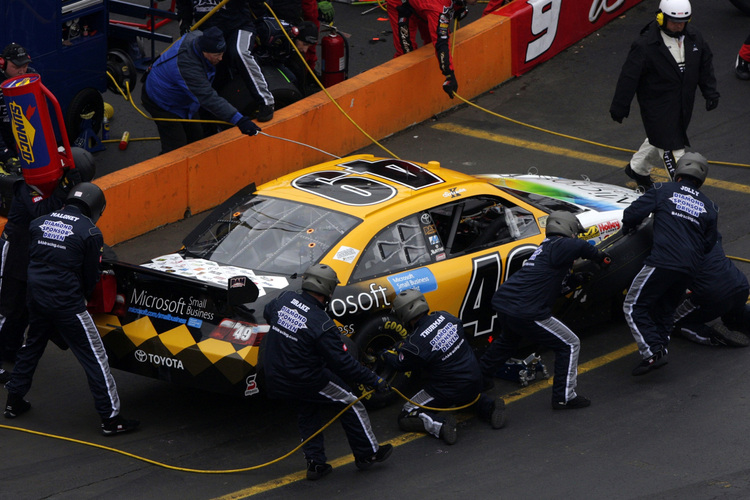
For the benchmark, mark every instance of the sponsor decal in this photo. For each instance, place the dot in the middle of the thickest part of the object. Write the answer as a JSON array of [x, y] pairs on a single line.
[[429, 229], [606, 227], [175, 310], [237, 282], [421, 278], [251, 385], [23, 131], [688, 204], [445, 338], [291, 320], [454, 192], [374, 298], [157, 360], [56, 230], [239, 332], [346, 254]]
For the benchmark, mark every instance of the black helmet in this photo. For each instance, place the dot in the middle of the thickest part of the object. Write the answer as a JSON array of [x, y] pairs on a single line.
[[89, 198], [84, 163], [321, 279], [409, 305], [693, 165], [563, 224]]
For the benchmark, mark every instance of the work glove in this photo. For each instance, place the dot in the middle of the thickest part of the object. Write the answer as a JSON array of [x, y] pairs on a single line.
[[450, 85], [389, 357], [382, 385], [616, 116], [712, 103], [461, 12], [70, 178], [13, 166], [6, 154], [247, 126], [626, 229], [325, 11]]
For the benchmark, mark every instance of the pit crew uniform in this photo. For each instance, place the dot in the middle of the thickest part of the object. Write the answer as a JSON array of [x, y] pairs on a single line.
[[438, 346], [65, 253], [718, 290], [524, 307], [305, 362], [685, 222]]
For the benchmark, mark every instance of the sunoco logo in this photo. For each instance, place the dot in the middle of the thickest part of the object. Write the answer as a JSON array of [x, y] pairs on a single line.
[[141, 356], [23, 132]]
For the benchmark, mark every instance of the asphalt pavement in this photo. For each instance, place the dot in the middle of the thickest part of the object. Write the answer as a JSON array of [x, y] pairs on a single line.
[[680, 432]]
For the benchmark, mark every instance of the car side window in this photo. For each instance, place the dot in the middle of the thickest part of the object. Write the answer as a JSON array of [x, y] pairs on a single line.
[[475, 223], [401, 245]]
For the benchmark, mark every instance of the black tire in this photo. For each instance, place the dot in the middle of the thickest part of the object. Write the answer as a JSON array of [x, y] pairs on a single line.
[[743, 5], [284, 92], [379, 333], [86, 101], [122, 68]]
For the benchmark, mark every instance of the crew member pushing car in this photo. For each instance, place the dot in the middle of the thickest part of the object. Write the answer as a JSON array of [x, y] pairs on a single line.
[[64, 257], [438, 346], [305, 362]]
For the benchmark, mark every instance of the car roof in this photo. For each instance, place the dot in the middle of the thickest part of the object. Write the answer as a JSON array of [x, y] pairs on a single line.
[[335, 184]]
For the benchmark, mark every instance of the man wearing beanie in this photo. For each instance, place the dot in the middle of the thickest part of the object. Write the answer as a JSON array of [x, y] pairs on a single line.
[[178, 84]]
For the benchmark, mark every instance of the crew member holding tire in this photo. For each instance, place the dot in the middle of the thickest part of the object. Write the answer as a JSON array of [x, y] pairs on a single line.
[[438, 346], [524, 307], [305, 362], [64, 258], [178, 85]]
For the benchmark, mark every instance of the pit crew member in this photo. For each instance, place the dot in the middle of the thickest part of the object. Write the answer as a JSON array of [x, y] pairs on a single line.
[[14, 61], [685, 222], [305, 362], [64, 258], [524, 307], [438, 346]]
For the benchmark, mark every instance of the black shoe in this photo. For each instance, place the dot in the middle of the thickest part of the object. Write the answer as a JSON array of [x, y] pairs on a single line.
[[316, 470], [381, 456], [656, 360], [265, 113], [497, 419], [15, 406], [449, 431], [118, 425], [721, 335], [574, 404], [742, 69], [4, 376], [643, 181]]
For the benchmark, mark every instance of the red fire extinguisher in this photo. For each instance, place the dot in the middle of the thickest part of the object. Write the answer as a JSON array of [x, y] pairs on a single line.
[[41, 162], [335, 56]]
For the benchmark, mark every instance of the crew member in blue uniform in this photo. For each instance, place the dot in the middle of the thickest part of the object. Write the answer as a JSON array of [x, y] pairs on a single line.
[[64, 258], [305, 362], [524, 306], [685, 230], [437, 346], [718, 290]]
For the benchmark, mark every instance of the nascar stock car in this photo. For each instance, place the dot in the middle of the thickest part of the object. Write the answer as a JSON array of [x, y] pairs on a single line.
[[195, 317]]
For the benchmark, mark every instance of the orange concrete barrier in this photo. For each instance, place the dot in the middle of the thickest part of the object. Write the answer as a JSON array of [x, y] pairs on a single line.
[[383, 101]]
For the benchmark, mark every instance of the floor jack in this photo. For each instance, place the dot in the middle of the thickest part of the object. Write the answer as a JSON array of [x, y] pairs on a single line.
[[523, 370]]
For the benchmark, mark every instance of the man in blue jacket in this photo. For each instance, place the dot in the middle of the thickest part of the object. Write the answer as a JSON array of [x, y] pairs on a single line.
[[179, 84], [64, 257], [437, 346], [524, 306], [685, 230], [305, 362]]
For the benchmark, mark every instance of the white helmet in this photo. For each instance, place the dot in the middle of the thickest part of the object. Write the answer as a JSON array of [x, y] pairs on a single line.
[[675, 10]]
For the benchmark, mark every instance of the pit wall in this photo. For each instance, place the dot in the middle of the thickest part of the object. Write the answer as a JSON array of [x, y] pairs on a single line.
[[382, 101]]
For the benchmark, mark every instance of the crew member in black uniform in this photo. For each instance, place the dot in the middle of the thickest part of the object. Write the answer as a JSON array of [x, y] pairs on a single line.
[[718, 290], [524, 306], [685, 230], [437, 346], [64, 258], [305, 362], [27, 205]]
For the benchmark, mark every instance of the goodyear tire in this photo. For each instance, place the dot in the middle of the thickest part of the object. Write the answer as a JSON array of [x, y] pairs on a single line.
[[743, 5], [85, 102], [122, 68], [379, 333]]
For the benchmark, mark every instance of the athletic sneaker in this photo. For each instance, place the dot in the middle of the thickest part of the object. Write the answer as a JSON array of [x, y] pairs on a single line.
[[15, 406], [118, 425], [497, 419], [643, 181], [316, 470], [381, 456], [722, 335], [449, 431], [4, 376], [574, 404], [656, 360], [742, 69]]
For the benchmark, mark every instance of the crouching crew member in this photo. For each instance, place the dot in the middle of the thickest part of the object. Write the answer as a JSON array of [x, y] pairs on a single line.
[[437, 345], [64, 258], [524, 306], [305, 362]]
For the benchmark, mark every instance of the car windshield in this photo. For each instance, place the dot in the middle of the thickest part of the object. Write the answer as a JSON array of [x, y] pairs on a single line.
[[273, 236]]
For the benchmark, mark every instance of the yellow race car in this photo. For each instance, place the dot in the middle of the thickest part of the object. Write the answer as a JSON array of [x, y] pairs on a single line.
[[195, 317]]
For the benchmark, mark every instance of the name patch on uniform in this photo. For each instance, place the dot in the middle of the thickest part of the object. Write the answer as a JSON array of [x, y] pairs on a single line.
[[56, 230]]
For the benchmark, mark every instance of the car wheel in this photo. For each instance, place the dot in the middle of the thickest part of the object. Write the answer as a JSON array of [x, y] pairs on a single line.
[[743, 5], [377, 334], [122, 68], [89, 103]]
